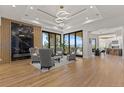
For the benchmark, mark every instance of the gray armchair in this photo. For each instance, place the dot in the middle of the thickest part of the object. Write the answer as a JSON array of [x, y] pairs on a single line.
[[59, 52], [72, 54], [34, 52], [46, 60], [52, 52]]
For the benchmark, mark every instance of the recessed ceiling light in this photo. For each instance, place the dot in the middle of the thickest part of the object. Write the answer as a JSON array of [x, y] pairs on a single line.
[[55, 27], [37, 18], [68, 27], [87, 18], [97, 14], [34, 21], [13, 5], [26, 14], [91, 6], [31, 8]]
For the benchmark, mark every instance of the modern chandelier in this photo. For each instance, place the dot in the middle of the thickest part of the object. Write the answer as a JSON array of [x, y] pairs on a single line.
[[61, 15]]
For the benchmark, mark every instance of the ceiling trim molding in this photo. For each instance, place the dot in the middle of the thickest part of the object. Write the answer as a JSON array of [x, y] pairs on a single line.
[[78, 12], [110, 33], [46, 13]]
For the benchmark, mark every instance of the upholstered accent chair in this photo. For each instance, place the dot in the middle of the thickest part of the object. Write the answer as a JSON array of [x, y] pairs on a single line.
[[46, 60], [59, 52], [72, 54], [34, 52], [52, 52]]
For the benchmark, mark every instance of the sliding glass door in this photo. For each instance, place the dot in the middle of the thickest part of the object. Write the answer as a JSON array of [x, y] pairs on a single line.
[[58, 40], [73, 40], [51, 40], [79, 43], [45, 40], [66, 44]]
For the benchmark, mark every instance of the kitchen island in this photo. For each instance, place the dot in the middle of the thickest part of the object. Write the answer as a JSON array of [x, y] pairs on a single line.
[[114, 51]]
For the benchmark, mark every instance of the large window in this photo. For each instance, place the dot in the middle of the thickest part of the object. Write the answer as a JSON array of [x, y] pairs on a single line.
[[51, 40], [79, 43], [45, 40], [66, 43], [73, 40], [58, 40]]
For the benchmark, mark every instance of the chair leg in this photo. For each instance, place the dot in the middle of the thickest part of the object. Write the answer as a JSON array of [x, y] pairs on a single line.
[[49, 68], [59, 60]]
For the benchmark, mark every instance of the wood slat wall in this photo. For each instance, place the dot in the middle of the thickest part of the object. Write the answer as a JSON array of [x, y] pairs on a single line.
[[5, 40], [37, 36]]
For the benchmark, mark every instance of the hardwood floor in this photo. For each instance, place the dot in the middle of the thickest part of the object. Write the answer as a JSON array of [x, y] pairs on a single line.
[[99, 71]]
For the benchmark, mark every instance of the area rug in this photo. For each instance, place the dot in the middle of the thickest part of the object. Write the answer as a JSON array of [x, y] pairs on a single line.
[[62, 62]]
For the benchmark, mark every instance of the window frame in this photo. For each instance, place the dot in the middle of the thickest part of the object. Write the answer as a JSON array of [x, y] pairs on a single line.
[[49, 38], [74, 40]]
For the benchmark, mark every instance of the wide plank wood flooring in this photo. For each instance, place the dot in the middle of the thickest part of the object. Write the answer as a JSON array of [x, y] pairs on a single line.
[[99, 71]]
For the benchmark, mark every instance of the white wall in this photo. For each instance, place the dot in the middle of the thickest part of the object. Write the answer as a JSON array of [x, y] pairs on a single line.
[[96, 37]]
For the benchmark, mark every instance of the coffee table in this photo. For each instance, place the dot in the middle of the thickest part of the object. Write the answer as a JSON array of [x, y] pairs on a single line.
[[57, 58]]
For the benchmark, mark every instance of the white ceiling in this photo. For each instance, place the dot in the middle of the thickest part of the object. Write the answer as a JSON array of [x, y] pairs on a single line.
[[99, 17], [107, 36], [105, 31], [113, 17]]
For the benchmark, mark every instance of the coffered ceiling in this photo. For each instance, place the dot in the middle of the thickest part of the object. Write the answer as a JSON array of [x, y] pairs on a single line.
[[81, 16]]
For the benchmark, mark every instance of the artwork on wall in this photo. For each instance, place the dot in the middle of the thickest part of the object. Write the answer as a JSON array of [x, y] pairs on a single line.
[[21, 40]]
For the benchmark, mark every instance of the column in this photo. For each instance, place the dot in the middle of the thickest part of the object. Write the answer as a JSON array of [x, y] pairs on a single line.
[[122, 42], [86, 45]]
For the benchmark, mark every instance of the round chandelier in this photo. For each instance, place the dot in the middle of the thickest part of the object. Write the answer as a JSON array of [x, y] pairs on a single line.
[[61, 15]]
